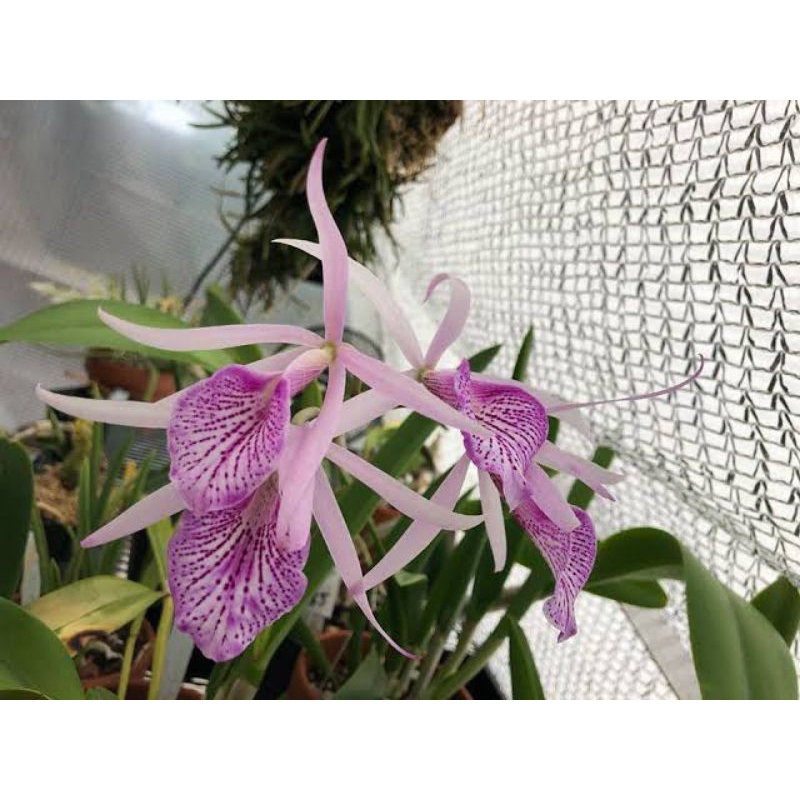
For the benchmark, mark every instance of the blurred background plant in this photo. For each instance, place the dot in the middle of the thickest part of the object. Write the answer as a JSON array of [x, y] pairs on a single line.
[[374, 148]]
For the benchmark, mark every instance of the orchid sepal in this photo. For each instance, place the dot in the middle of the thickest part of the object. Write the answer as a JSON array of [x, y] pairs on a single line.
[[214, 337]]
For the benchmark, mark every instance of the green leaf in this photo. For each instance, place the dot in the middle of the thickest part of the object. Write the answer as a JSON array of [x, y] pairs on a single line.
[[643, 593], [483, 358], [525, 683], [451, 584], [738, 655], [21, 694], [100, 693], [159, 535], [313, 647], [488, 585], [218, 311], [523, 357], [405, 578], [32, 658], [780, 604], [637, 554], [115, 465], [95, 460], [580, 494], [76, 323], [16, 500], [368, 682], [552, 429], [84, 500], [103, 602]]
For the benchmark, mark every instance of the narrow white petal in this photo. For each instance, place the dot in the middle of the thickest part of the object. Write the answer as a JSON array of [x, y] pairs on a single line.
[[114, 412]]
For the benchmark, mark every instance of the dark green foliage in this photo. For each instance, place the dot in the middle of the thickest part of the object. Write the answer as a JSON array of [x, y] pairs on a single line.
[[374, 147]]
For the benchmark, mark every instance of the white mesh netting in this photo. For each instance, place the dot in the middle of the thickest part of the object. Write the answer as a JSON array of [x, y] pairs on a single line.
[[636, 237]]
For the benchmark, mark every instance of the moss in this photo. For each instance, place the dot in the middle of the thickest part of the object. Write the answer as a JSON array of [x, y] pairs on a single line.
[[374, 147]]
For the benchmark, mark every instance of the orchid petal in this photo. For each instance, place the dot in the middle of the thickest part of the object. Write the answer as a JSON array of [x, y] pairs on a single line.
[[362, 409], [298, 525], [225, 436], [164, 502], [343, 552], [419, 534], [405, 500], [333, 250], [299, 474], [214, 337], [544, 493], [593, 475], [629, 398], [547, 399], [570, 556], [493, 518], [375, 291], [454, 319], [305, 368], [229, 576], [515, 421], [114, 412], [405, 390], [274, 363]]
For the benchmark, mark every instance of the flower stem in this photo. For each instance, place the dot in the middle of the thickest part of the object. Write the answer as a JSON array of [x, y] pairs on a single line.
[[429, 664], [464, 641], [127, 657], [160, 650]]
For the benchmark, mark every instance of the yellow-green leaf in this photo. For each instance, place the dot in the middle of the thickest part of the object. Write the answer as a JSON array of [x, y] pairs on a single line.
[[101, 603], [76, 323], [32, 660]]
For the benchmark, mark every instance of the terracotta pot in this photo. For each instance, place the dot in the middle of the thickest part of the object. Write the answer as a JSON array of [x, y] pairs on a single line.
[[141, 662], [113, 373], [384, 513], [137, 690], [333, 642]]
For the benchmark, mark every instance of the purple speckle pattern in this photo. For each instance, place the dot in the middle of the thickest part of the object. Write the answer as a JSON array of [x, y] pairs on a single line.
[[228, 576], [518, 422], [570, 556], [225, 436]]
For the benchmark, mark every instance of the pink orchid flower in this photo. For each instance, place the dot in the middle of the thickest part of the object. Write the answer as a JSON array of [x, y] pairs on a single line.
[[249, 481], [510, 459]]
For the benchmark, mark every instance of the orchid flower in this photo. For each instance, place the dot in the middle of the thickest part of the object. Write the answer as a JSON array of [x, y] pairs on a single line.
[[510, 459], [247, 480]]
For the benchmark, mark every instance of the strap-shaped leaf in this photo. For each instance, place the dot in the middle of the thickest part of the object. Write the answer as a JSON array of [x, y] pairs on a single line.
[[368, 682], [16, 500], [76, 323], [32, 659], [103, 602], [780, 604], [738, 655], [525, 682]]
